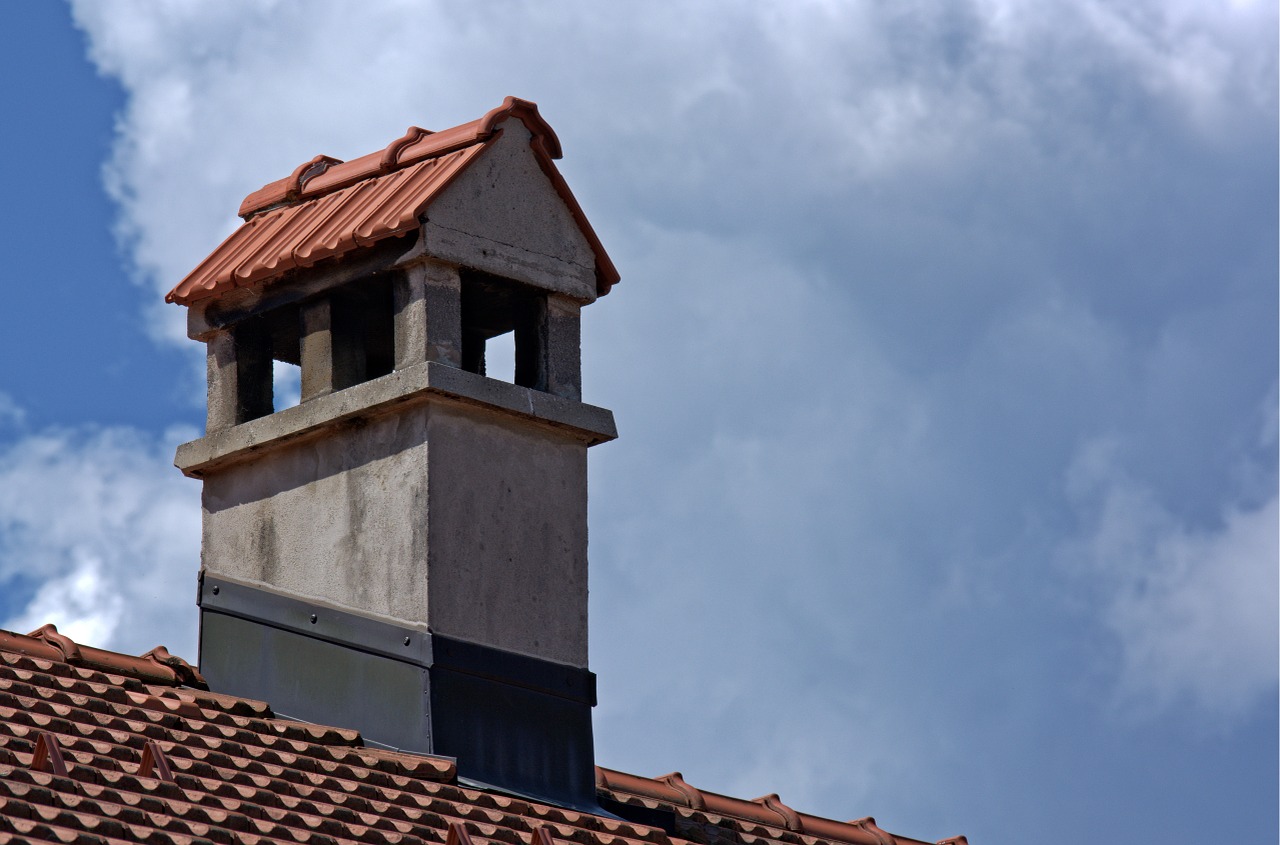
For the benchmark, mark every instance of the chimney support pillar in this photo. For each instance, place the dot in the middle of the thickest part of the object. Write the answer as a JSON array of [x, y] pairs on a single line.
[[331, 350], [563, 349], [238, 369], [427, 299]]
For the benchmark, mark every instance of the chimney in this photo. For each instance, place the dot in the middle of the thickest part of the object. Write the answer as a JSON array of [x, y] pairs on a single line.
[[405, 550]]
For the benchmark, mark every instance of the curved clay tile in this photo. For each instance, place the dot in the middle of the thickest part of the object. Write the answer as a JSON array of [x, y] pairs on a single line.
[[187, 674], [49, 635], [790, 818], [326, 207], [157, 666], [307, 171], [637, 785], [390, 159], [868, 824], [693, 797], [30, 646], [527, 113], [289, 188]]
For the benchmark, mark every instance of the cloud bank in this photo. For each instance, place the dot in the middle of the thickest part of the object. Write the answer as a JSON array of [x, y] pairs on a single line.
[[937, 358], [101, 535]]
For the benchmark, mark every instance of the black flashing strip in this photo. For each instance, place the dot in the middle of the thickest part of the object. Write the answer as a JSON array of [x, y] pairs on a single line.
[[419, 648], [511, 668]]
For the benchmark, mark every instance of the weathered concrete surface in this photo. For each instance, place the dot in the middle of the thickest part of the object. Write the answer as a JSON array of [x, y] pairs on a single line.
[[222, 409], [333, 518], [457, 517], [587, 423], [431, 496], [238, 368], [319, 376], [503, 216], [564, 347], [507, 539], [428, 314]]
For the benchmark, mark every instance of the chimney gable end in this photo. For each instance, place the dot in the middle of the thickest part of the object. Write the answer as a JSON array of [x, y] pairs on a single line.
[[503, 215]]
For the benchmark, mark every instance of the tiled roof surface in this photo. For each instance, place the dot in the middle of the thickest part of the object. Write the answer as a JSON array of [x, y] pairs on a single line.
[[327, 208], [99, 747]]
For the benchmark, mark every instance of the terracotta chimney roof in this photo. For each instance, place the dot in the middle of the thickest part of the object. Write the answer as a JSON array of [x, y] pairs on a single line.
[[327, 208]]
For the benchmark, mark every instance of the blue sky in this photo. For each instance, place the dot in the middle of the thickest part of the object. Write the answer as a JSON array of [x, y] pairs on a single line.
[[944, 361]]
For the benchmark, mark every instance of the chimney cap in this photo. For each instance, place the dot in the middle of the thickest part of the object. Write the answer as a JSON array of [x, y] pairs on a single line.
[[327, 208]]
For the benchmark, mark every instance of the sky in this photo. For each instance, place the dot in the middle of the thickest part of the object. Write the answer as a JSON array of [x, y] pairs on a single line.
[[944, 361]]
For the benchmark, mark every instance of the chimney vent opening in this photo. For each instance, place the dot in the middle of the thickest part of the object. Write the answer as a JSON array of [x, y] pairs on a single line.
[[346, 336], [493, 307]]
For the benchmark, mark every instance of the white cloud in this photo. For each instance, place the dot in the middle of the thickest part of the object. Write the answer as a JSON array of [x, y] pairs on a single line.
[[1203, 620], [1193, 609], [801, 99], [11, 413], [81, 602], [107, 531]]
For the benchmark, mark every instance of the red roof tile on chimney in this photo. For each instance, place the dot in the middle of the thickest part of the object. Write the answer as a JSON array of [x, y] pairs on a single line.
[[327, 208]]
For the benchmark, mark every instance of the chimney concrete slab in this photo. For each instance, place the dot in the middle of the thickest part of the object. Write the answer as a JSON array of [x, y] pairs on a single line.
[[585, 423]]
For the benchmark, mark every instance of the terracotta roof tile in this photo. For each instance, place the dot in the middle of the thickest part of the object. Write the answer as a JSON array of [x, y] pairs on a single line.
[[327, 208], [100, 747], [765, 818]]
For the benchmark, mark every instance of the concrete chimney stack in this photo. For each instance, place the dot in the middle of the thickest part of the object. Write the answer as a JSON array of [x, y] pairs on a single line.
[[405, 550]]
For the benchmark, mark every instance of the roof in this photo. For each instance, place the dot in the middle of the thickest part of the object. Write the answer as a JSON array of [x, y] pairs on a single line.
[[327, 208], [101, 747]]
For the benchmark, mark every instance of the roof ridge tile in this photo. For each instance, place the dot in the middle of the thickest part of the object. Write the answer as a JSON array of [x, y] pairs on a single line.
[[49, 645], [766, 816]]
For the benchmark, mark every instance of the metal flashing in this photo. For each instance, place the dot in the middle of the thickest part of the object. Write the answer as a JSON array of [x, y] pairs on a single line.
[[314, 619], [426, 649], [521, 723]]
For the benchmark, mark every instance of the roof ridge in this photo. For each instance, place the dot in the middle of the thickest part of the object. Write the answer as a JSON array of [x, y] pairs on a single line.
[[157, 666], [415, 145], [767, 810]]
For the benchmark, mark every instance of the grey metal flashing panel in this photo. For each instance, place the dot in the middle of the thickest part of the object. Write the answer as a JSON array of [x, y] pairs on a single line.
[[388, 701], [510, 720], [315, 620], [411, 385], [420, 648]]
